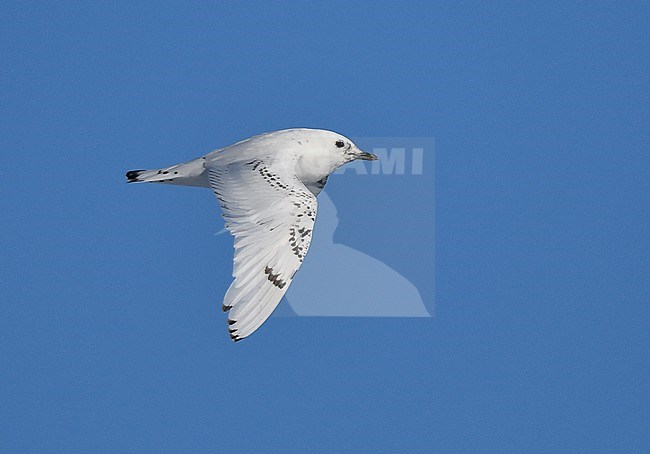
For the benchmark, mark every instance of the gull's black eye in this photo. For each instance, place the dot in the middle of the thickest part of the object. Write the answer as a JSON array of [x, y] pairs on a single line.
[[340, 143]]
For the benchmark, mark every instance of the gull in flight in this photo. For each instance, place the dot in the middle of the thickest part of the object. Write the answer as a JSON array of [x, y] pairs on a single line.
[[267, 187]]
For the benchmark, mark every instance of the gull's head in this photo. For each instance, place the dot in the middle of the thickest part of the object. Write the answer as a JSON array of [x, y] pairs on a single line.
[[319, 152], [344, 147], [334, 145]]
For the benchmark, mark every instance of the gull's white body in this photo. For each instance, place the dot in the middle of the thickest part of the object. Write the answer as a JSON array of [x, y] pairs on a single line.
[[267, 187]]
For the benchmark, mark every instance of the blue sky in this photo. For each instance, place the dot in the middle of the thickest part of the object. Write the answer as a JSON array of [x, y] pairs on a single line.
[[110, 337]]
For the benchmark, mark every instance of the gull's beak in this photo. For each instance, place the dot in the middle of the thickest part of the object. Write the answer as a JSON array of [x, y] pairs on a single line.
[[366, 156]]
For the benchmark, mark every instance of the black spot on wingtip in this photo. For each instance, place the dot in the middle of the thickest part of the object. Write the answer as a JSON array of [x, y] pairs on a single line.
[[237, 339], [225, 308], [232, 322]]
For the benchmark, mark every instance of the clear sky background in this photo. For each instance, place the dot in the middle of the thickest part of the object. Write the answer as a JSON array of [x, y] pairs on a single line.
[[110, 334]]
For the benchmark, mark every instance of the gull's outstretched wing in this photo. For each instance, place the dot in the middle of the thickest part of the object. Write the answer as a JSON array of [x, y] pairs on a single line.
[[271, 214]]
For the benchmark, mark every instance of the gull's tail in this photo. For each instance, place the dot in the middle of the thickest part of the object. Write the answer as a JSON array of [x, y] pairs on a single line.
[[190, 173], [132, 175], [151, 176]]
